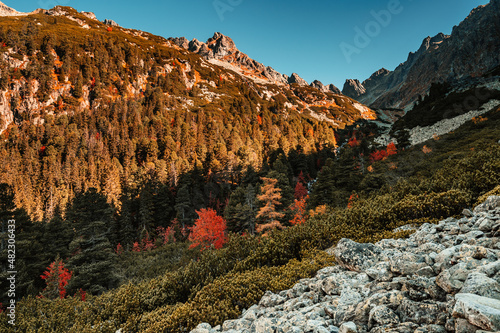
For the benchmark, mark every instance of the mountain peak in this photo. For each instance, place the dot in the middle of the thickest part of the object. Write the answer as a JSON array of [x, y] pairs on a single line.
[[8, 11], [221, 45], [295, 78]]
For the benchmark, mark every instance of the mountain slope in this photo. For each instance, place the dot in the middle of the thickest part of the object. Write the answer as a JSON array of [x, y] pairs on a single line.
[[134, 102], [440, 58]]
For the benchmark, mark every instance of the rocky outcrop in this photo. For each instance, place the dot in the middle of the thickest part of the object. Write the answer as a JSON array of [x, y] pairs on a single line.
[[110, 22], [295, 78], [354, 89], [443, 278], [7, 11], [329, 88], [471, 50], [90, 15]]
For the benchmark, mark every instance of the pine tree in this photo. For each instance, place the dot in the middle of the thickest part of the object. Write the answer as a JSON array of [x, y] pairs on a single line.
[[93, 259], [241, 210]]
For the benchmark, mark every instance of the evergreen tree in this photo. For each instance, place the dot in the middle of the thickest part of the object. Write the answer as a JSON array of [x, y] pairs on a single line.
[[241, 210], [93, 259]]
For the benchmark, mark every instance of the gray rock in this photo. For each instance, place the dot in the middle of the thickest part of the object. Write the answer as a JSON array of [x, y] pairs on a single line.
[[408, 327], [356, 256], [488, 205], [449, 282], [490, 269], [480, 284], [426, 271], [321, 329], [478, 310], [380, 272], [407, 264], [348, 327], [264, 325], [486, 224], [463, 326], [467, 213], [428, 312], [312, 324], [202, 328], [431, 329], [382, 315], [422, 288], [270, 299]]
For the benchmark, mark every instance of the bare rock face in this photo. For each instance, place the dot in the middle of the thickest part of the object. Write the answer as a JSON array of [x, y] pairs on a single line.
[[110, 22], [295, 78], [318, 85], [221, 46], [7, 11], [90, 15], [353, 88], [471, 50], [329, 88]]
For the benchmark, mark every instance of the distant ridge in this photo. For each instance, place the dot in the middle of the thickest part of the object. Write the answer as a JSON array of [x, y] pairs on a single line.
[[471, 50]]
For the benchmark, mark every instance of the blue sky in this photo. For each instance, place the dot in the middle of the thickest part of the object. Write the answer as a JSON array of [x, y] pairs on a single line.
[[318, 40]]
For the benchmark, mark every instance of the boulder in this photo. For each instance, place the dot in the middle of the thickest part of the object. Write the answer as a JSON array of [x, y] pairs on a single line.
[[356, 256], [480, 311], [348, 327], [480, 284]]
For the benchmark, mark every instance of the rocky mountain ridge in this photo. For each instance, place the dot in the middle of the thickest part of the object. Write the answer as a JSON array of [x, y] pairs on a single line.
[[439, 58], [444, 278], [222, 48]]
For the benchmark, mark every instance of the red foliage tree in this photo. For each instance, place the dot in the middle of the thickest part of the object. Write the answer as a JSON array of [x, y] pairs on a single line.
[[300, 191], [57, 278], [353, 142], [119, 249], [391, 149], [378, 155], [209, 229], [167, 234]]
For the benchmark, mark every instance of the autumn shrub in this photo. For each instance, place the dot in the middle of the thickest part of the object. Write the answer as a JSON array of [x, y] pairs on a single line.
[[228, 295]]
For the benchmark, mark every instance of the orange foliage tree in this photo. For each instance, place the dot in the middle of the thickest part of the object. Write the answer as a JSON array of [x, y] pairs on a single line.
[[209, 229], [270, 197], [299, 207]]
